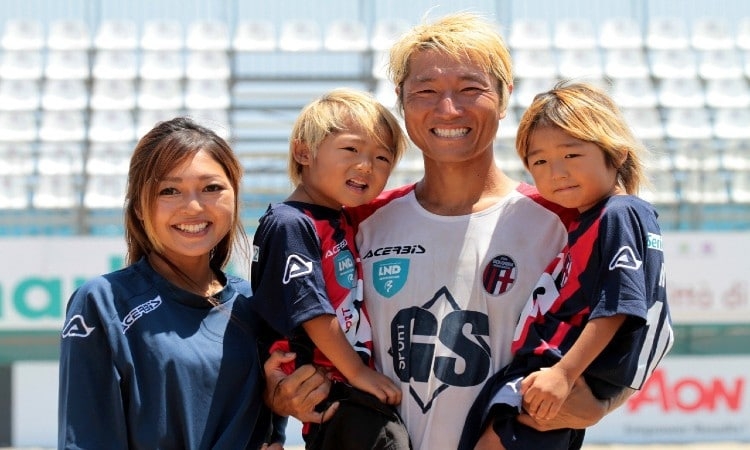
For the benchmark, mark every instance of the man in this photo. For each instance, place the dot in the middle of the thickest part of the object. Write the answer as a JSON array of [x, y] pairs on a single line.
[[450, 261]]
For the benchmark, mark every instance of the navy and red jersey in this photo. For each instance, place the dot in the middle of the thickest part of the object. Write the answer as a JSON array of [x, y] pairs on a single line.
[[613, 264], [305, 264]]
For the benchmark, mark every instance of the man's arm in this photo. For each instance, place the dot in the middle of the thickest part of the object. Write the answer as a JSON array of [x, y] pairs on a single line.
[[580, 410], [296, 394]]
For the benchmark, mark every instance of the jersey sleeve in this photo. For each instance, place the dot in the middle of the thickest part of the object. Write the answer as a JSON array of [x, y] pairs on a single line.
[[623, 286], [288, 282], [633, 261], [89, 380]]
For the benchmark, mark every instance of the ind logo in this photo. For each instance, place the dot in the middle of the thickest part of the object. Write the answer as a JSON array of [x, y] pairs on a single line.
[[345, 269], [389, 275]]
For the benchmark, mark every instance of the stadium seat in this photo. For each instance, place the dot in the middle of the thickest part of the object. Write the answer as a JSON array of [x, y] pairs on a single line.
[[526, 89], [719, 63], [300, 35], [254, 36], [681, 93], [673, 63], [14, 191], [646, 123], [208, 64], [634, 92], [113, 94], [385, 93], [160, 94], [17, 158], [574, 33], [380, 65], [732, 124], [21, 65], [626, 63], [742, 36], [23, 34], [109, 158], [60, 158], [711, 33], [715, 187], [665, 33], [68, 34], [105, 191], [115, 64], [162, 34], [505, 144], [162, 64], [216, 119], [65, 94], [19, 94], [207, 94], [580, 63], [207, 35], [116, 34], [662, 189], [346, 35], [147, 118], [620, 33], [67, 64], [57, 125], [535, 63], [532, 34], [111, 125], [740, 186], [385, 31], [736, 155], [56, 191], [18, 126], [688, 123], [728, 93]]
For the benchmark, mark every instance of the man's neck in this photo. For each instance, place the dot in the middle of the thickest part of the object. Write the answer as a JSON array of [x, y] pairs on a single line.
[[455, 190]]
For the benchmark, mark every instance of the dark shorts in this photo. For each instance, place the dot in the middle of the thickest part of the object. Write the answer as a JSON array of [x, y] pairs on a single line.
[[516, 436], [362, 422]]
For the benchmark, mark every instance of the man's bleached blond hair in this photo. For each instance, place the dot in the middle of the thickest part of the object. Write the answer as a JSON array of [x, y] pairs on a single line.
[[461, 36]]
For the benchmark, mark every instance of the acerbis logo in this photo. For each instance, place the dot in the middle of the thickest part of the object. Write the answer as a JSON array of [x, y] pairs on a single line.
[[296, 266], [138, 312], [76, 327], [625, 259], [396, 250]]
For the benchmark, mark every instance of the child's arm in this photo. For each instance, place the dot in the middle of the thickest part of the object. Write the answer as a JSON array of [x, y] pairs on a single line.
[[327, 335], [544, 391]]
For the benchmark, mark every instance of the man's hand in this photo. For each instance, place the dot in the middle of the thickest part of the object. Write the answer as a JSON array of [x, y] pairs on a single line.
[[296, 394], [580, 410]]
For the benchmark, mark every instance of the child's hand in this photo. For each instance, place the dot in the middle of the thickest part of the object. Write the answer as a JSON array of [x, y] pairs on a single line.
[[377, 384], [544, 392]]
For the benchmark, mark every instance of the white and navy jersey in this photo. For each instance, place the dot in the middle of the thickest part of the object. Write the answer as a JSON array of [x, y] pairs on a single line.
[[305, 264], [613, 264], [146, 365], [444, 294]]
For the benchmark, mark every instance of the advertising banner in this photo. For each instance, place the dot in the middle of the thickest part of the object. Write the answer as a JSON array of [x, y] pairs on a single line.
[[687, 399]]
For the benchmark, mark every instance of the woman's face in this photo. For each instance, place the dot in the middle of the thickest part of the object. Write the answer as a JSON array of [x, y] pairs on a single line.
[[194, 208]]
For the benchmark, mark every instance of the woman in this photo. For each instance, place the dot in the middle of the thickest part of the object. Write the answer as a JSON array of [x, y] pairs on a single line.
[[162, 354]]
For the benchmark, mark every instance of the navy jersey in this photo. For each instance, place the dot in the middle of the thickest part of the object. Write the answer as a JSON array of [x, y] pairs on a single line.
[[305, 264], [147, 365], [613, 264]]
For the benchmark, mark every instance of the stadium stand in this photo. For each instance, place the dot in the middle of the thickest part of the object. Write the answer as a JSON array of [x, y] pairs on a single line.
[[76, 94]]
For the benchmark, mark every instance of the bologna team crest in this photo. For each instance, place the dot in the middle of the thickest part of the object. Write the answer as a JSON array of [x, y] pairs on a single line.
[[499, 275]]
